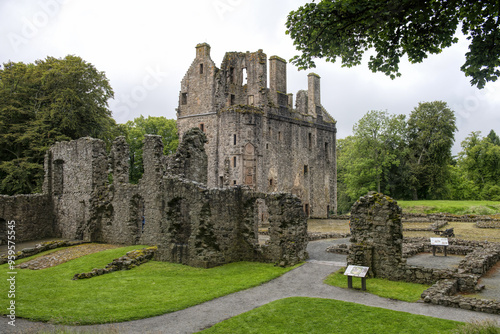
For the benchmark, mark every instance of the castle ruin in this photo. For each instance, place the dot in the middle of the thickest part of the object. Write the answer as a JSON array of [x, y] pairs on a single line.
[[255, 136]]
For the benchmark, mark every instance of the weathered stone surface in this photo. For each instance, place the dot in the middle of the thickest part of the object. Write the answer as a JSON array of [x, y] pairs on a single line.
[[190, 223], [376, 235], [255, 137], [190, 160]]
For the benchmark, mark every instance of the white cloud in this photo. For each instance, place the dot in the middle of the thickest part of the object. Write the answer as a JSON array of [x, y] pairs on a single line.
[[129, 39]]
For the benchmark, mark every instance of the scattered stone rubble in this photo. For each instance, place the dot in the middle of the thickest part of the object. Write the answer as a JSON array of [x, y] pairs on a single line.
[[42, 247], [131, 260]]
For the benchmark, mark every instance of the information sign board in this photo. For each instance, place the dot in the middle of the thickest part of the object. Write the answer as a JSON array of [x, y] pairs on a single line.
[[439, 241], [356, 271]]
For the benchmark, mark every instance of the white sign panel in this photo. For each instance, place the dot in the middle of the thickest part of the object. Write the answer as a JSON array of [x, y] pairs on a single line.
[[439, 241], [356, 271]]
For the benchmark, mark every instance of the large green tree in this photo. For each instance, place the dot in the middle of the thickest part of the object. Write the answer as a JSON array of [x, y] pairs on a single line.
[[479, 162], [136, 130], [431, 132], [345, 29], [370, 158], [41, 103]]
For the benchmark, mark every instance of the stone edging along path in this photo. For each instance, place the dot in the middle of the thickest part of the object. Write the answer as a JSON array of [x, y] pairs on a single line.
[[304, 281]]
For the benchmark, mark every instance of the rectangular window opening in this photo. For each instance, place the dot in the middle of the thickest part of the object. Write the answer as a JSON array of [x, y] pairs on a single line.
[[231, 74], [184, 98], [310, 140], [202, 127], [234, 161], [306, 169], [234, 139], [233, 99]]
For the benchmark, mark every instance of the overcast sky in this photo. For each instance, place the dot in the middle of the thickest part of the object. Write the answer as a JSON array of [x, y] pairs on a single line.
[[145, 48]]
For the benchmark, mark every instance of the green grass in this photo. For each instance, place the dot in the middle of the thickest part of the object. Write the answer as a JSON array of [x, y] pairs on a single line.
[[453, 207], [151, 289], [408, 292], [315, 315]]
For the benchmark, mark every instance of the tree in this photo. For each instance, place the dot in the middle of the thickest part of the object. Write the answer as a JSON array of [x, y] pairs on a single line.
[[479, 161], [394, 28], [367, 160], [136, 130], [493, 138], [431, 129], [41, 103]]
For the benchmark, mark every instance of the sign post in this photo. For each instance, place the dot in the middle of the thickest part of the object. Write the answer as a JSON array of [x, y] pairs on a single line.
[[356, 271], [439, 242]]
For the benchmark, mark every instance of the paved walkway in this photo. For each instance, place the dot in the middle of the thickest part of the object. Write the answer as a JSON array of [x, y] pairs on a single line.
[[305, 281]]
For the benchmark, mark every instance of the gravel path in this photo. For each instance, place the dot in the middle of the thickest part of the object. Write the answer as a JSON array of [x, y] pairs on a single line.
[[305, 281]]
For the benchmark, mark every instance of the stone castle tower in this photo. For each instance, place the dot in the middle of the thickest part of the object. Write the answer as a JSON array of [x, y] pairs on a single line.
[[255, 136]]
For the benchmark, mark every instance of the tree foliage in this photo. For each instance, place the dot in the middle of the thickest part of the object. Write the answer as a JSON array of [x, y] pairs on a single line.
[[345, 29], [431, 133], [403, 158], [479, 164], [41, 103], [136, 130]]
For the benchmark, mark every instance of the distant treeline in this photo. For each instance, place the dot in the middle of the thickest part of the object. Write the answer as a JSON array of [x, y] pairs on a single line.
[[410, 158]]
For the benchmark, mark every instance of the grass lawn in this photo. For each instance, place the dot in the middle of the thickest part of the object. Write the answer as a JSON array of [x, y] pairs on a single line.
[[151, 289], [408, 292], [453, 207], [315, 315]]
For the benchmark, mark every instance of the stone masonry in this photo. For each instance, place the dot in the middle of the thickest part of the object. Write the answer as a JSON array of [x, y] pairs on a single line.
[[256, 137], [87, 197], [376, 235]]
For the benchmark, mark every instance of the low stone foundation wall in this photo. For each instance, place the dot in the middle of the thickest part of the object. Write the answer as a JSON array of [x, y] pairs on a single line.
[[330, 235], [42, 247], [131, 260]]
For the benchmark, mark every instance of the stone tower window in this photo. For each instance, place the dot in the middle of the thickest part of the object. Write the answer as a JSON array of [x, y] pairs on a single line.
[[233, 98], [267, 146], [271, 182], [234, 182], [58, 178], [184, 98], [279, 135], [202, 127], [234, 139], [234, 161], [201, 68], [244, 76], [231, 74], [306, 169], [310, 140], [306, 209], [250, 100]]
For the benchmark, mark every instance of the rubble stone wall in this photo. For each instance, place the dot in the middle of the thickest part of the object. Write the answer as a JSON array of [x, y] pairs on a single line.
[[90, 199]]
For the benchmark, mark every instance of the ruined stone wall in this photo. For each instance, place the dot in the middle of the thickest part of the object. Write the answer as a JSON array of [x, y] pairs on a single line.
[[190, 223], [74, 170], [377, 235], [32, 215]]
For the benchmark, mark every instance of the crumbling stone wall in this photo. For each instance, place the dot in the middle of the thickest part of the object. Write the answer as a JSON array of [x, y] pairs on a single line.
[[190, 160], [376, 235], [32, 215], [89, 198]]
